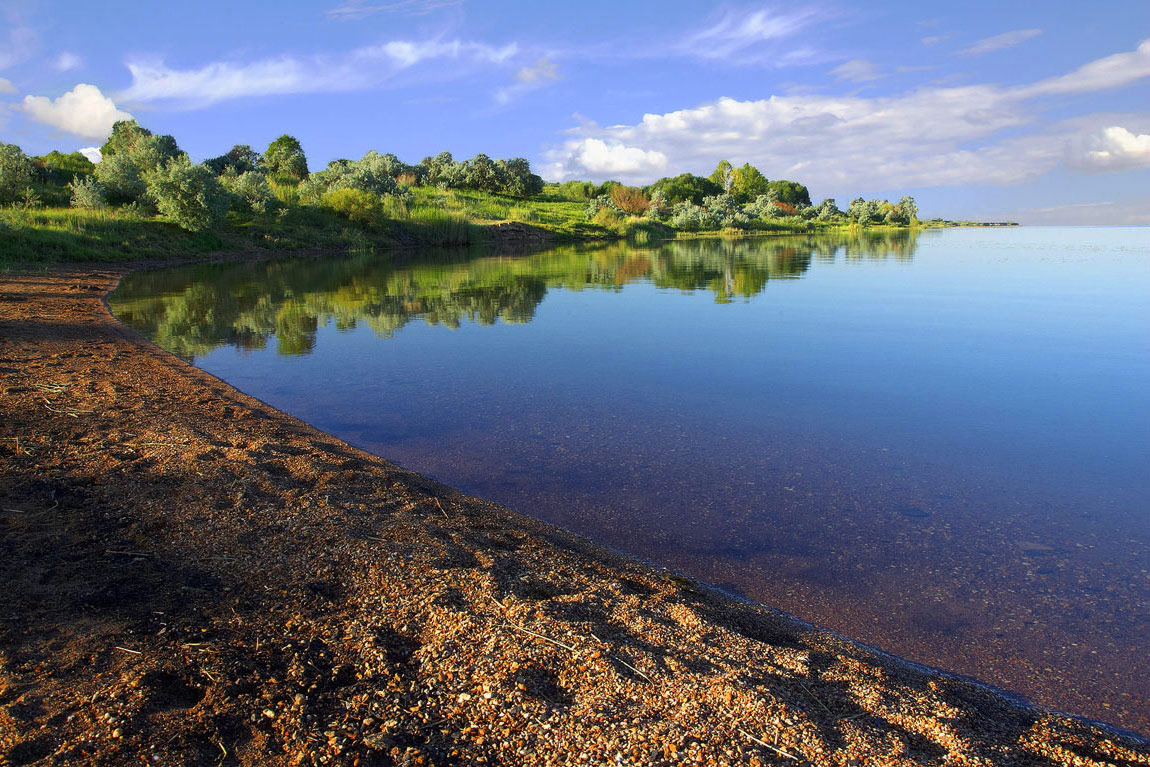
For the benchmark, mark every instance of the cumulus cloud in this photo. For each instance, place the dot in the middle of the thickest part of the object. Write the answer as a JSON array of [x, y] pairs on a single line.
[[595, 157], [858, 71], [6, 86], [92, 153], [83, 111], [936, 136], [361, 68], [1113, 149], [998, 42]]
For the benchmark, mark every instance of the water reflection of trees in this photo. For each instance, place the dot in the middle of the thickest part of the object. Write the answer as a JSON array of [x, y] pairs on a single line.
[[192, 310]]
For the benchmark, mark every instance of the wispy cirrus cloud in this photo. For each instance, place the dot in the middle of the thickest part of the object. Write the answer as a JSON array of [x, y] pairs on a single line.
[[927, 137], [998, 42], [6, 87], [359, 69], [858, 71], [19, 42], [529, 78], [753, 36], [358, 9]]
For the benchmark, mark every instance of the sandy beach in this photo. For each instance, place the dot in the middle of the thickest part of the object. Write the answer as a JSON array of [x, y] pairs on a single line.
[[191, 577]]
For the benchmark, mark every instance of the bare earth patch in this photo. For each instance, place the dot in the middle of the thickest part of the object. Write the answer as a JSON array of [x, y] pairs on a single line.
[[193, 578]]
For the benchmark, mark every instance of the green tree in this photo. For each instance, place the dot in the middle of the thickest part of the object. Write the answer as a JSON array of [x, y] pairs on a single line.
[[747, 183], [285, 157], [790, 192], [240, 159], [684, 188], [722, 175], [16, 173], [59, 168], [146, 150], [122, 180], [483, 174]]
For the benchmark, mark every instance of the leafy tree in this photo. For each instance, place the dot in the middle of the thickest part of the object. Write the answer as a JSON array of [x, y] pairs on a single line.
[[59, 168], [602, 202], [190, 195], [690, 217], [483, 174], [909, 209], [16, 173], [789, 191], [240, 159], [828, 209], [722, 175], [577, 191], [144, 149], [747, 183], [356, 205], [725, 211], [684, 188], [285, 157], [518, 180]]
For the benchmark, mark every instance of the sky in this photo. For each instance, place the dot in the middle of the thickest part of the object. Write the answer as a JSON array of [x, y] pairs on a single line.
[[1036, 112]]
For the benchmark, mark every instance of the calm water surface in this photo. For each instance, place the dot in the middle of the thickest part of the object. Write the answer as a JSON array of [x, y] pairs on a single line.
[[935, 443]]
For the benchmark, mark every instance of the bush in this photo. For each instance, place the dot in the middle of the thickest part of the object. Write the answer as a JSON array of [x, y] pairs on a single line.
[[121, 179], [602, 202], [368, 174], [88, 193], [576, 191], [629, 200], [356, 205], [190, 195], [690, 217], [240, 159], [658, 207], [250, 192], [16, 173]]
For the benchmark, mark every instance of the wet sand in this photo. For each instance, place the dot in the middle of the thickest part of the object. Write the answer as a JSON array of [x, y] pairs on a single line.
[[192, 577]]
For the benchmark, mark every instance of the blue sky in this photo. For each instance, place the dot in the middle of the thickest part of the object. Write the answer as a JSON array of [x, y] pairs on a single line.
[[1038, 112]]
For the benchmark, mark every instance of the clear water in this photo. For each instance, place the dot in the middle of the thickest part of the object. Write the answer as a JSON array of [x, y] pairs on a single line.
[[937, 443]]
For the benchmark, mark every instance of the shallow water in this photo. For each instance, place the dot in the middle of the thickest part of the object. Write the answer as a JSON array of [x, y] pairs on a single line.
[[935, 443]]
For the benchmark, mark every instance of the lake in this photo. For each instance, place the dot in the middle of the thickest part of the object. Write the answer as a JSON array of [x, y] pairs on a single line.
[[934, 442]]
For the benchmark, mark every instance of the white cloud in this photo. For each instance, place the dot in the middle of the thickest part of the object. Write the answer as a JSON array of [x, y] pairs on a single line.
[[83, 111], [67, 61], [1110, 72], [92, 153], [858, 71], [1113, 149], [358, 9], [935, 39], [529, 78], [358, 69], [592, 156], [738, 37], [998, 42], [934, 136], [6, 86]]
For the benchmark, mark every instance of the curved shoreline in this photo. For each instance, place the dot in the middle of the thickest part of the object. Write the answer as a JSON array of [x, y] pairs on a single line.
[[196, 576]]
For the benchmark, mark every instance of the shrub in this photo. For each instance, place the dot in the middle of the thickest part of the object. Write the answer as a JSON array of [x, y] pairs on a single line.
[[690, 217], [16, 172], [658, 207], [725, 211], [356, 205], [483, 174], [88, 193], [607, 218], [368, 174], [630, 200], [250, 192], [518, 180], [190, 195], [601, 202], [121, 179], [576, 191]]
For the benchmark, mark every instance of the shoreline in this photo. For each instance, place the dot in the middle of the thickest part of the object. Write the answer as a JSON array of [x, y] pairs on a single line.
[[186, 564]]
